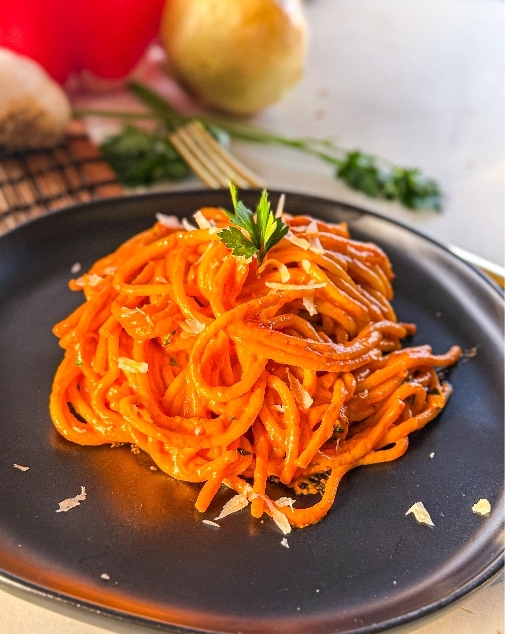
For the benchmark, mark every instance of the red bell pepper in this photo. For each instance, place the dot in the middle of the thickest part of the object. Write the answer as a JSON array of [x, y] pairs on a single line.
[[106, 37]]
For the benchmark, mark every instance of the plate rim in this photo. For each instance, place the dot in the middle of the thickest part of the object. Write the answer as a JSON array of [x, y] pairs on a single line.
[[33, 589]]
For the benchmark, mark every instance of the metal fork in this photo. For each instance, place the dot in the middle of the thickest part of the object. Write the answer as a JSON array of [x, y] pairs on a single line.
[[217, 167], [210, 161]]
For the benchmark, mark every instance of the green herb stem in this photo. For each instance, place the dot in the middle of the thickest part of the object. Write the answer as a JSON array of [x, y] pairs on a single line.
[[363, 172]]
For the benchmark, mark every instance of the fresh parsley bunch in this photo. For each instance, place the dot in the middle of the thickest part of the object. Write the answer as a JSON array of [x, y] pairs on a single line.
[[140, 159], [263, 229]]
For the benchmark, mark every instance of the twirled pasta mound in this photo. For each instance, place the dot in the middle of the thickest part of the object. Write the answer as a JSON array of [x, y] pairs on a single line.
[[226, 373]]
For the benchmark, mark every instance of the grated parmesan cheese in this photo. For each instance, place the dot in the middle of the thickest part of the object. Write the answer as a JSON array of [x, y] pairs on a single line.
[[301, 395], [148, 319], [420, 513], [306, 265], [432, 455], [279, 408], [278, 517], [482, 507], [312, 229], [247, 489], [207, 249], [20, 467], [294, 287], [299, 242], [187, 225], [192, 326], [284, 542], [69, 503], [282, 268], [104, 576], [316, 246], [309, 305], [129, 365], [286, 502], [75, 268], [125, 312], [94, 279], [90, 280], [211, 523], [110, 270], [201, 220], [172, 222], [235, 504], [280, 206]]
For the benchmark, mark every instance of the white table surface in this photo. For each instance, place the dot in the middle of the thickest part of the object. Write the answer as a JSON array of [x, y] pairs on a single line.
[[420, 83]]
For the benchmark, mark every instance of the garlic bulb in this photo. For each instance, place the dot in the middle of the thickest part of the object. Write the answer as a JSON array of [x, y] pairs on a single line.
[[34, 110], [236, 55]]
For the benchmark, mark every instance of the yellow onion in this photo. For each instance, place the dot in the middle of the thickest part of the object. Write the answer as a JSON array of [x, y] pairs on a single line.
[[235, 55]]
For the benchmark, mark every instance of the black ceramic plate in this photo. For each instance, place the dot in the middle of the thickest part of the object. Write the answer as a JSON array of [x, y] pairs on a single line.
[[364, 568]]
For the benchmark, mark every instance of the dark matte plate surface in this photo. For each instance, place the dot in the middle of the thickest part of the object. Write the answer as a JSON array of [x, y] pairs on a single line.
[[365, 568]]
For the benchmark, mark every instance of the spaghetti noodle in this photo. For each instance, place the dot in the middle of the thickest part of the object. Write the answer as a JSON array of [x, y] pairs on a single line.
[[226, 373]]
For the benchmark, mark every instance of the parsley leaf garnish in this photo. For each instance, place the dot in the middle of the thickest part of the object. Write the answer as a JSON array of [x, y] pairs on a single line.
[[238, 243], [264, 229]]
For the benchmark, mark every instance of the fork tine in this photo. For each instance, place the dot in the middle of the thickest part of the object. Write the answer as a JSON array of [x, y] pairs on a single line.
[[238, 173], [194, 163], [202, 140], [212, 163]]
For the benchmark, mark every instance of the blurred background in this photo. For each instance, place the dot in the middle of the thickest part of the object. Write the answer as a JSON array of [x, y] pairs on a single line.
[[406, 85]]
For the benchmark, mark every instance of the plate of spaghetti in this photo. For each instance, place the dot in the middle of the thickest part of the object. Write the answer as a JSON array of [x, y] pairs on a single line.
[[251, 423]]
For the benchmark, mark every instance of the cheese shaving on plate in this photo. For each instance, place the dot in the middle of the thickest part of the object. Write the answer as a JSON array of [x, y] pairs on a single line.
[[286, 502], [301, 395], [21, 467], [278, 517], [284, 542], [482, 507], [69, 503], [420, 513], [235, 504], [75, 268], [172, 222], [211, 523], [129, 365]]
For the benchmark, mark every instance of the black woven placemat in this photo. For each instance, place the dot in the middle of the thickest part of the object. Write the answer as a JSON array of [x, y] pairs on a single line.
[[36, 181]]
